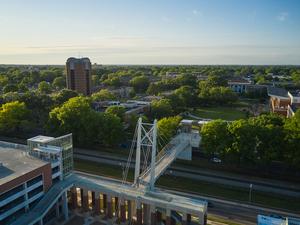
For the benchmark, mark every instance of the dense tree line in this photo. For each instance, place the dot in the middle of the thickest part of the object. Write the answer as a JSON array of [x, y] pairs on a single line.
[[256, 141]]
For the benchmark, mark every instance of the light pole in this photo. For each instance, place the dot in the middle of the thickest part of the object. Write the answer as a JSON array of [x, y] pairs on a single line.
[[250, 192]]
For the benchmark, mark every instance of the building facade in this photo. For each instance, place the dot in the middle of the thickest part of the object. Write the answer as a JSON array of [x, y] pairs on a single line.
[[283, 102], [27, 172], [79, 75]]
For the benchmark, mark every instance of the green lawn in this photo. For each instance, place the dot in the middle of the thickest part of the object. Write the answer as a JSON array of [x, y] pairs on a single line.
[[198, 187], [225, 113]]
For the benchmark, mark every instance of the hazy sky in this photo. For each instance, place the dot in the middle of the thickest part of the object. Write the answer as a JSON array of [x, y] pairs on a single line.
[[150, 32]]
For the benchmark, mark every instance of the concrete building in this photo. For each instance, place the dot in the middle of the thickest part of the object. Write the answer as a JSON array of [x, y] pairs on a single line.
[[79, 75], [239, 85], [284, 102], [28, 172]]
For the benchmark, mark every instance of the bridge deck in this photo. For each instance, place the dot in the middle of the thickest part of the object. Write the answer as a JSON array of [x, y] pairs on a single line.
[[114, 188], [165, 161]]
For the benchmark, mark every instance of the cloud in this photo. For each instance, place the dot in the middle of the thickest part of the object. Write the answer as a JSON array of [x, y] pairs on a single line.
[[283, 16], [196, 12], [166, 19]]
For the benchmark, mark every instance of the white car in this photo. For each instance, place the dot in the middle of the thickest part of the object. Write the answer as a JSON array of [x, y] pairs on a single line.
[[216, 160]]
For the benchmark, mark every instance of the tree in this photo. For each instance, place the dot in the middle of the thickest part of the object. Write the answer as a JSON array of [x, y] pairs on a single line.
[[59, 83], [217, 95], [44, 87], [64, 95], [10, 88], [244, 142], [14, 117], [215, 138], [116, 110], [111, 131], [103, 95], [140, 83], [296, 77], [187, 96], [167, 128], [161, 108], [88, 126], [48, 75], [74, 116], [155, 88], [292, 138], [270, 138], [39, 104]]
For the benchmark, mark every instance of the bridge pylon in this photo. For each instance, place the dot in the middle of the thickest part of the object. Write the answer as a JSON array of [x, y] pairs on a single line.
[[146, 136]]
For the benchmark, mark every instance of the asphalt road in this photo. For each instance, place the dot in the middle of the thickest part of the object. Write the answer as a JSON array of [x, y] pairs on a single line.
[[208, 176]]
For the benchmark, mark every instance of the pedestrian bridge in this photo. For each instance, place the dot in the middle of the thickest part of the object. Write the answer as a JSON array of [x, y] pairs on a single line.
[[113, 199], [180, 144]]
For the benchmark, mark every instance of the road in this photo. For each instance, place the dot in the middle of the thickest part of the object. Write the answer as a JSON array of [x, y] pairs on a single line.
[[234, 212], [275, 187]]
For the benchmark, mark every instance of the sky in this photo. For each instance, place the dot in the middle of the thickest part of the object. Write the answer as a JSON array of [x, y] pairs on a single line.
[[150, 32]]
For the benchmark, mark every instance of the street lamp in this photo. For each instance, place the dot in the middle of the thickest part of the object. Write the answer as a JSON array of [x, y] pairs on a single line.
[[250, 192]]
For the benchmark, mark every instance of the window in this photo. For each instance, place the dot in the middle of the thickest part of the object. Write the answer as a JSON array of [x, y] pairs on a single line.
[[11, 192], [55, 169], [12, 204], [34, 180], [87, 80], [35, 191], [72, 80]]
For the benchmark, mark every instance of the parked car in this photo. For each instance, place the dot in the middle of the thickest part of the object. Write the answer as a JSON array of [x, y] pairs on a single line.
[[216, 160]]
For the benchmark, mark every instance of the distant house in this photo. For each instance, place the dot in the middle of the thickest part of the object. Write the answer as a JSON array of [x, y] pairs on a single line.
[[239, 85], [283, 102], [122, 92], [172, 75], [294, 104]]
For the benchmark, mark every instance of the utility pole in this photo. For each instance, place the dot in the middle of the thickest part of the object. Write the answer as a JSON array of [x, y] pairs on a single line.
[[250, 192]]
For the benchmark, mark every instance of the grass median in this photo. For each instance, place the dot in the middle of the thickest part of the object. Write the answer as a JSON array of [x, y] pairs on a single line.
[[198, 187]]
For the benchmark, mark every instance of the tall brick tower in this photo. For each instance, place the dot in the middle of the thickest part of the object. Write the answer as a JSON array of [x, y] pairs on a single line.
[[79, 75]]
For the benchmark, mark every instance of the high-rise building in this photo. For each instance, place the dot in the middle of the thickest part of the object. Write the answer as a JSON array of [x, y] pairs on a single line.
[[79, 75]]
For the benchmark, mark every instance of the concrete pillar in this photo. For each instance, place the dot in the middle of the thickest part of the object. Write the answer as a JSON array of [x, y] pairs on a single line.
[[139, 213], [153, 215], [122, 211], [93, 199], [158, 217], [109, 207], [104, 206], [74, 200], [116, 206], [96, 203], [129, 210], [188, 218], [57, 209], [85, 200], [65, 205], [203, 219], [168, 216], [184, 219], [146, 214], [41, 222], [81, 197]]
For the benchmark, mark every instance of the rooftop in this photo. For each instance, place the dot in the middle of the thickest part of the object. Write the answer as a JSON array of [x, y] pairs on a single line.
[[239, 81], [277, 92], [41, 139], [15, 163]]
